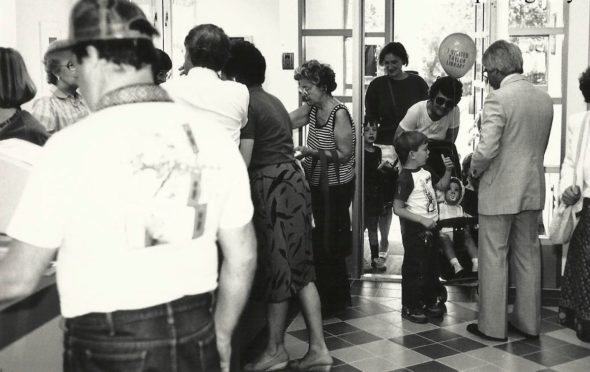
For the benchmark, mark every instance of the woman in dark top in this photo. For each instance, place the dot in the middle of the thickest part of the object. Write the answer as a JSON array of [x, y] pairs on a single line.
[[282, 217], [387, 100], [16, 88]]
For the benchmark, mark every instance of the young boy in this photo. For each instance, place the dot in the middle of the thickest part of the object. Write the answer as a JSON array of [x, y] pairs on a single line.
[[415, 204], [373, 183], [449, 207]]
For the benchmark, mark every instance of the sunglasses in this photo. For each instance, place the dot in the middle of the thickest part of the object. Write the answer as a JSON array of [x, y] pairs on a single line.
[[447, 103], [70, 66]]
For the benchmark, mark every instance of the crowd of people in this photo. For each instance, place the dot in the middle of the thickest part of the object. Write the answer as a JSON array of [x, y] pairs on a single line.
[[169, 203]]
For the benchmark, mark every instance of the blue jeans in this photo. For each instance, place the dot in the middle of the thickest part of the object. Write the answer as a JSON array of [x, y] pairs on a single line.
[[176, 336]]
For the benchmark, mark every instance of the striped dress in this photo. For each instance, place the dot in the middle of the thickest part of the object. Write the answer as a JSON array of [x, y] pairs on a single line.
[[322, 138]]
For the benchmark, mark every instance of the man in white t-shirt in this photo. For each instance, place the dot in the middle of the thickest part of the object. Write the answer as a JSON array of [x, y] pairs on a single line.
[[133, 200], [207, 51], [438, 117]]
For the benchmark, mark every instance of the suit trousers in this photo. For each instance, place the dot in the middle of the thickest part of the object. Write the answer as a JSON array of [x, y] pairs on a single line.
[[509, 241]]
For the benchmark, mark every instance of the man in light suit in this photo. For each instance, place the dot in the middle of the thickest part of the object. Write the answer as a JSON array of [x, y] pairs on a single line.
[[508, 161]]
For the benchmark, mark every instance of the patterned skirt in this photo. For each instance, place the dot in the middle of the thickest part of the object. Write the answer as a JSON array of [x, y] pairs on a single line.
[[282, 220], [575, 287]]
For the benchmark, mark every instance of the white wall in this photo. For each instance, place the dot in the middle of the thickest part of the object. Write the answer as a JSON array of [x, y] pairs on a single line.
[[8, 23], [272, 25], [35, 20]]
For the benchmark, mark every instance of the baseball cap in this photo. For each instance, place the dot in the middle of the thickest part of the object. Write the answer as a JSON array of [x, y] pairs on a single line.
[[92, 20]]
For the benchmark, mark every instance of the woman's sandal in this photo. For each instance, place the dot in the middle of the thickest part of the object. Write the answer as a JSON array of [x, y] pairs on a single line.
[[279, 361], [324, 366]]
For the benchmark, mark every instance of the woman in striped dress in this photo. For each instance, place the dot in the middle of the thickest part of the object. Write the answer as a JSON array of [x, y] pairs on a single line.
[[330, 136]]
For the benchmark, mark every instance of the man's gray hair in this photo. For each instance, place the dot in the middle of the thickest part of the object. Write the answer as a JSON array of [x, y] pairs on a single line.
[[503, 56]]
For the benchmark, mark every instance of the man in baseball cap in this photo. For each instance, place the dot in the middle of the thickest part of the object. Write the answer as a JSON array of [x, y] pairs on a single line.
[[133, 199]]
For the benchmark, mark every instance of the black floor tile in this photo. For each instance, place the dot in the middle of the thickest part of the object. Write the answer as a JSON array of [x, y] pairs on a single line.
[[547, 326], [546, 313], [339, 328], [337, 362], [430, 367], [546, 342], [335, 343], [351, 313], [518, 348], [411, 341], [360, 337], [572, 351], [436, 351], [300, 334], [463, 344], [546, 358], [373, 308], [439, 335]]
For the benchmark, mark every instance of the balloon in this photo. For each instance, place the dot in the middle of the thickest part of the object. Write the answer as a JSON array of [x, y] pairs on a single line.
[[457, 54]]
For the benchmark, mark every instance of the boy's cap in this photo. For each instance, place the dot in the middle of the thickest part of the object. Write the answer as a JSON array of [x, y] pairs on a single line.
[[92, 20]]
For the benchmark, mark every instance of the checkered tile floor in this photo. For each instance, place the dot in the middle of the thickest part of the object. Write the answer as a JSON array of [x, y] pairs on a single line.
[[372, 336]]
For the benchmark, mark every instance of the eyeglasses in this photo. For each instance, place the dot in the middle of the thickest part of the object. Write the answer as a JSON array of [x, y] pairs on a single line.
[[305, 90], [70, 66], [447, 103]]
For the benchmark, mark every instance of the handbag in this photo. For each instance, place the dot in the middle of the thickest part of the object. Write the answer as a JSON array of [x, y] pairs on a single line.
[[564, 220]]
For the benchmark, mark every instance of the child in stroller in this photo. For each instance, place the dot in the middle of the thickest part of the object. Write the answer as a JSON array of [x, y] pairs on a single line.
[[453, 223]]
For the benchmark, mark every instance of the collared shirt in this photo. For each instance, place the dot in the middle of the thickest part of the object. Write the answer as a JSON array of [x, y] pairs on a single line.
[[59, 110], [134, 196], [225, 101]]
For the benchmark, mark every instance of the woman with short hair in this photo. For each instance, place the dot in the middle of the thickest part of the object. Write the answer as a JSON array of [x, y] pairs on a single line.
[[574, 305], [331, 139], [282, 217], [17, 88]]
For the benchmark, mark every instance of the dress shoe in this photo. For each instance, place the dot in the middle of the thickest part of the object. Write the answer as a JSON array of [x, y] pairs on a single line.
[[275, 363], [528, 336], [473, 329]]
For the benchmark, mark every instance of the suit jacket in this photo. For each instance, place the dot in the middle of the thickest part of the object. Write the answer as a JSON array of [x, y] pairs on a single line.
[[516, 123]]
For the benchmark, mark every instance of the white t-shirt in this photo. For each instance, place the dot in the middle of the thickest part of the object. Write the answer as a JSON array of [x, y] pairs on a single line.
[[415, 188], [417, 119], [226, 101], [111, 192]]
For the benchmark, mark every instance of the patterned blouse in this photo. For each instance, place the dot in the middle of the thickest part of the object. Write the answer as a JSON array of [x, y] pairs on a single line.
[[322, 137], [59, 110]]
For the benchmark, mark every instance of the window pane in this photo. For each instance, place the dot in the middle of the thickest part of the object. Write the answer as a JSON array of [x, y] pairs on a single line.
[[554, 67], [330, 50], [421, 25], [540, 13], [326, 14], [534, 54], [374, 15], [553, 152]]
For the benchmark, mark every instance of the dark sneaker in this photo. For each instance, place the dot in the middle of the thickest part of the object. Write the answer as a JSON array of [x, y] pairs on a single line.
[[415, 315], [433, 311], [378, 264]]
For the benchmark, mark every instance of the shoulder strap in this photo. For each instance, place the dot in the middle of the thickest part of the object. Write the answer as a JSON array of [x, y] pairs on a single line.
[[393, 101]]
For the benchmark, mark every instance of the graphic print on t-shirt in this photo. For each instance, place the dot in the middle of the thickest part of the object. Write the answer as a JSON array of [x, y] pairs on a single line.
[[171, 176], [430, 200]]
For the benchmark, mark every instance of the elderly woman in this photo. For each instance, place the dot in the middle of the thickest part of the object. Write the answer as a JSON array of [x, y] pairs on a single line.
[[17, 88], [438, 118], [574, 305], [329, 151], [387, 100], [207, 51], [64, 106], [282, 217]]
